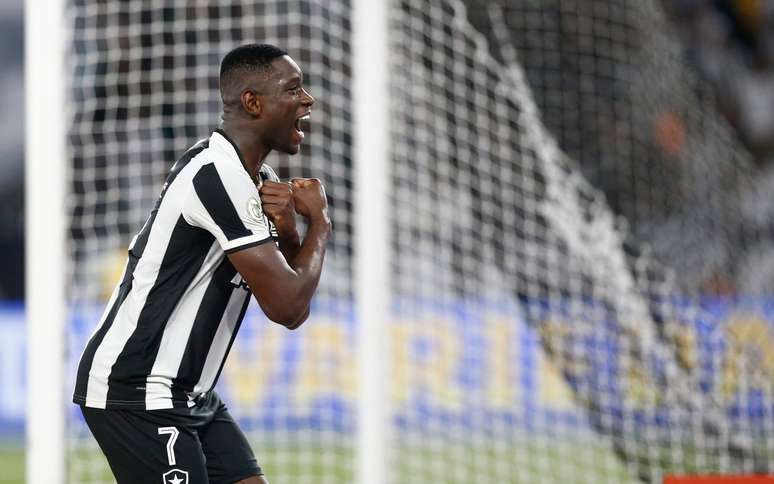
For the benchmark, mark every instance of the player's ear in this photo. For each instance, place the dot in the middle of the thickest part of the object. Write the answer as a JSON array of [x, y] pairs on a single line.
[[251, 102]]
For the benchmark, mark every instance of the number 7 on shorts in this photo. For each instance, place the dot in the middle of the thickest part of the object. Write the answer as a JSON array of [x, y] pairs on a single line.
[[173, 433]]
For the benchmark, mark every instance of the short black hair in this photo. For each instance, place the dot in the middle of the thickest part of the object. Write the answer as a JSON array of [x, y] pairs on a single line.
[[250, 58]]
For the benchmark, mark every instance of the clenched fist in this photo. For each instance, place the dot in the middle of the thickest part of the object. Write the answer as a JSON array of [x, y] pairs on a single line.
[[278, 204], [309, 197]]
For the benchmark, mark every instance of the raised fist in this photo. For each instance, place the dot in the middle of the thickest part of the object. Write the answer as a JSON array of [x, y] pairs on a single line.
[[278, 204], [309, 197]]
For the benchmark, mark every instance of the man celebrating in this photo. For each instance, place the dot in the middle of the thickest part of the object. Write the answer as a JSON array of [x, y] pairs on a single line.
[[222, 228]]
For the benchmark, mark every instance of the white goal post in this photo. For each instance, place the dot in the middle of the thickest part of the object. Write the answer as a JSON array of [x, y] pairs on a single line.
[[46, 226], [371, 94]]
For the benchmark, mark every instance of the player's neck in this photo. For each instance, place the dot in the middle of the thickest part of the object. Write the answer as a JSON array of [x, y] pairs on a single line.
[[249, 146]]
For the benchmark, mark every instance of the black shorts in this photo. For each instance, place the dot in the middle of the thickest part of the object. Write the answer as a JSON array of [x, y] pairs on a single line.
[[197, 445]]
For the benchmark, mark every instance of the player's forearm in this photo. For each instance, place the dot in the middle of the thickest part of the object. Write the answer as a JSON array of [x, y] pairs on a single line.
[[307, 268], [308, 261], [289, 245], [287, 236]]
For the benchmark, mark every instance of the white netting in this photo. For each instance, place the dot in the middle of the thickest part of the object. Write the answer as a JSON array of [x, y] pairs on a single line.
[[500, 212], [553, 163]]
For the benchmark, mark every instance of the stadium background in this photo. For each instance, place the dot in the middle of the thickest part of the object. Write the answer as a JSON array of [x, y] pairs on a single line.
[[728, 260]]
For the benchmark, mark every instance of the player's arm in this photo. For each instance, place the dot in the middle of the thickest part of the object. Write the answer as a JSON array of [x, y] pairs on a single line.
[[284, 286], [224, 201], [277, 203]]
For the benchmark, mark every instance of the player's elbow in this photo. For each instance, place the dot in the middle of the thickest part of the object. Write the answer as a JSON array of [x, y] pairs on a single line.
[[289, 316], [282, 318], [285, 302], [290, 323], [294, 325], [298, 322]]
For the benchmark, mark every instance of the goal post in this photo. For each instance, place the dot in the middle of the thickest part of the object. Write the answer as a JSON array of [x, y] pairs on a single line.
[[45, 239], [371, 99]]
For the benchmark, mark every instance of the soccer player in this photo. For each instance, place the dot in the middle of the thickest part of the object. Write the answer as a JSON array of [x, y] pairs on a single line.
[[222, 228]]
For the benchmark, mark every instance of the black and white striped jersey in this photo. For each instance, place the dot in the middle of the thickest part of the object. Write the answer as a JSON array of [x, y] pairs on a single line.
[[170, 322]]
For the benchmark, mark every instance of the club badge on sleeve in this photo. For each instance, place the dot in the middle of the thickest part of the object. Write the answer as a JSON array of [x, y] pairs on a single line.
[[254, 209]]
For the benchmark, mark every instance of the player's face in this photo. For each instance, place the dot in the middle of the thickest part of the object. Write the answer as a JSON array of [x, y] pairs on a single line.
[[286, 107]]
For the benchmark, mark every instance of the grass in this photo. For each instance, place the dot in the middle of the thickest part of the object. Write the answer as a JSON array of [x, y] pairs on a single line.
[[417, 460], [413, 462], [11, 464]]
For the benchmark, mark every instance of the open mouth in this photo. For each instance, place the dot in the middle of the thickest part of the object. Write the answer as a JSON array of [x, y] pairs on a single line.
[[298, 124]]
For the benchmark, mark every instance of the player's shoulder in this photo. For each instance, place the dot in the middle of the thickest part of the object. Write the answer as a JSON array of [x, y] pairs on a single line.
[[218, 163], [216, 155]]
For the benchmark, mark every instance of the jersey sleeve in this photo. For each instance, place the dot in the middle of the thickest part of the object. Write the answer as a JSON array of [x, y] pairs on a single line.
[[227, 204]]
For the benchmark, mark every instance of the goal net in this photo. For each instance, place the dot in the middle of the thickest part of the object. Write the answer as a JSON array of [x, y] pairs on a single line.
[[562, 194]]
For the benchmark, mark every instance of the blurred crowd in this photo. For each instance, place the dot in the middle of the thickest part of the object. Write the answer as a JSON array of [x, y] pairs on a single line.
[[731, 42], [731, 45]]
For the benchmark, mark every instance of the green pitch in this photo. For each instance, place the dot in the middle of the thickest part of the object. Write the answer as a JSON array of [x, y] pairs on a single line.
[[302, 462], [11, 464]]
